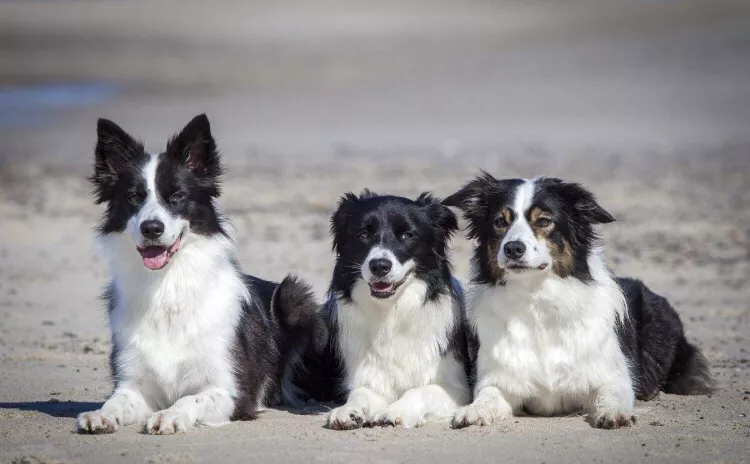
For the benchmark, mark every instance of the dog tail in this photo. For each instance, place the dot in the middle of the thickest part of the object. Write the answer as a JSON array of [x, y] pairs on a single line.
[[689, 374], [300, 316]]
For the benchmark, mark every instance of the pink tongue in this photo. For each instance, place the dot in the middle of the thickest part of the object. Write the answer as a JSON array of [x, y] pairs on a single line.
[[381, 286], [154, 257]]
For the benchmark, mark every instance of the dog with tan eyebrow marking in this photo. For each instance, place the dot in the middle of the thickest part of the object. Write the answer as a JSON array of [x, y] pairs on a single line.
[[557, 332]]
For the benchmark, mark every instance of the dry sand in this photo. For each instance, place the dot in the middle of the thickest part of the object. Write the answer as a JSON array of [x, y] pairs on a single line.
[[682, 227], [649, 107]]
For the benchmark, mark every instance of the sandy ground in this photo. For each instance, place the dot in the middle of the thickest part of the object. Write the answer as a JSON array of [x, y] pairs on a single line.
[[648, 104]]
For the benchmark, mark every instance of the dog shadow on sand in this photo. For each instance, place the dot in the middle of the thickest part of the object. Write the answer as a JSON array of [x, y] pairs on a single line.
[[54, 408]]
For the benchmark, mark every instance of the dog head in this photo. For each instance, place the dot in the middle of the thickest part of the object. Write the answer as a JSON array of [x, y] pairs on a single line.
[[158, 200], [387, 240], [526, 228]]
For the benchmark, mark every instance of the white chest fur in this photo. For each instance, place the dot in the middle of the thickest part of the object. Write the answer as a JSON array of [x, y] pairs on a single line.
[[391, 346], [174, 328], [549, 343]]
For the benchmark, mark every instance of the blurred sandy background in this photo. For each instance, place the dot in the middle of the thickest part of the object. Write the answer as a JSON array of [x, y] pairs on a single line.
[[646, 101]]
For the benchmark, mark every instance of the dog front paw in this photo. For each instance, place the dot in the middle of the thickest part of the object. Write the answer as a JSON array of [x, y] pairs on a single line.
[[345, 418], [167, 422], [613, 420], [473, 415], [95, 422], [394, 417]]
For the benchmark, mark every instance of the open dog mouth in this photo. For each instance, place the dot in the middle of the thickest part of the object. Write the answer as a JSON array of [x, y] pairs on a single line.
[[156, 257], [381, 289]]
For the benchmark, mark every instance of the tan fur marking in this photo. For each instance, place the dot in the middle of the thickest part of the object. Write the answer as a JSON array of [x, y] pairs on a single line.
[[540, 232], [562, 258], [535, 213], [493, 248], [562, 255], [507, 215], [498, 273]]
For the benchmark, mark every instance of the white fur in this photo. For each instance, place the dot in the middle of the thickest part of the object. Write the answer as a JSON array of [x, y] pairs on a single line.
[[549, 346], [537, 253], [153, 208], [392, 355], [174, 328], [398, 270]]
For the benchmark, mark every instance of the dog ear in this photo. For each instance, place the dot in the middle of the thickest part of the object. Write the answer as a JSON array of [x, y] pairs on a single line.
[[195, 147], [114, 150], [584, 203], [442, 217], [340, 220], [473, 200]]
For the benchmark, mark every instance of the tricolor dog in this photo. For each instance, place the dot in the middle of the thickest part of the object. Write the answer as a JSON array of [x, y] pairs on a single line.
[[557, 332]]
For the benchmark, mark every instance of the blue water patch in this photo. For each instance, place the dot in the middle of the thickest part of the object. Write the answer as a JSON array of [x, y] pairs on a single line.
[[25, 106]]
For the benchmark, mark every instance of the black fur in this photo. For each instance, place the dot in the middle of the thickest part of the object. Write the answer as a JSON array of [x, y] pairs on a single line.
[[411, 229], [653, 339], [383, 219], [282, 320], [574, 210], [281, 323], [652, 336], [187, 176]]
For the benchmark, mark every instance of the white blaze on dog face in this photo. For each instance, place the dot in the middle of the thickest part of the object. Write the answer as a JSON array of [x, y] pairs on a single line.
[[397, 271], [535, 253], [157, 233], [384, 272], [153, 201], [544, 224], [152, 209]]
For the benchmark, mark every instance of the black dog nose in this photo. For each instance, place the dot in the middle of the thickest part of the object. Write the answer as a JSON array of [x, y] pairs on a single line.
[[514, 250], [380, 267], [153, 228]]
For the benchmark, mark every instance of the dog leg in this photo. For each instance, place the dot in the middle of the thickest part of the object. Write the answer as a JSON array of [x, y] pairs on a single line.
[[420, 405], [126, 406], [213, 407], [613, 406], [362, 404], [488, 406]]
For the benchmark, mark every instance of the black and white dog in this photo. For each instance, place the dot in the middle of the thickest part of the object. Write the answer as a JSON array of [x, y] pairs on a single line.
[[396, 314], [194, 340], [557, 332]]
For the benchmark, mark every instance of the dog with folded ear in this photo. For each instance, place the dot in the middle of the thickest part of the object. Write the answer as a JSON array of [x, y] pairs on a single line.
[[396, 315], [194, 340], [557, 332]]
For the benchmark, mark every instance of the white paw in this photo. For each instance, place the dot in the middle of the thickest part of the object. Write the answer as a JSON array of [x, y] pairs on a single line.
[[345, 418], [613, 420], [98, 422], [474, 415], [394, 417], [167, 422]]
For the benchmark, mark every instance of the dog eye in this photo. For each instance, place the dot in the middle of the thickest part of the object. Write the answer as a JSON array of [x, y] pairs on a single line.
[[364, 235], [176, 198], [543, 222], [135, 198], [500, 221], [406, 236]]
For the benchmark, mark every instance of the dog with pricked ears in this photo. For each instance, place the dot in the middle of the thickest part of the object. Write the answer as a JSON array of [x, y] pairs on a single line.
[[396, 315], [194, 340], [558, 333]]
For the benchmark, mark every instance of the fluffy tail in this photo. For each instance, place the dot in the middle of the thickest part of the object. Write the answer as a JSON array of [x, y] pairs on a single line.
[[689, 374], [300, 317], [295, 307]]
